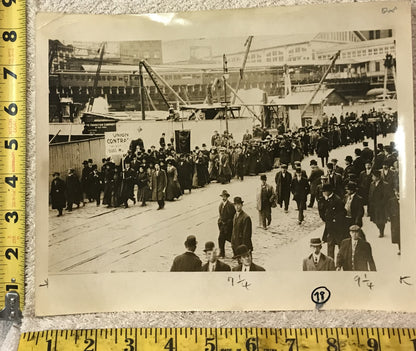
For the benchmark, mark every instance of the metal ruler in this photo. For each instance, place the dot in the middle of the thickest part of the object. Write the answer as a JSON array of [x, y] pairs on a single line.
[[12, 156], [220, 339]]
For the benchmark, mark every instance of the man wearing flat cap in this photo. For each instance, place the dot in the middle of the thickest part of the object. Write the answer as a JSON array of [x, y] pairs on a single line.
[[283, 181], [213, 263], [242, 227], [265, 200], [188, 261], [317, 261], [355, 253], [245, 260], [225, 221]]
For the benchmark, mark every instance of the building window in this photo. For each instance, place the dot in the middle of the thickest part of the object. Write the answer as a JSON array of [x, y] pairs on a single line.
[[376, 51], [370, 51], [378, 34], [377, 66]]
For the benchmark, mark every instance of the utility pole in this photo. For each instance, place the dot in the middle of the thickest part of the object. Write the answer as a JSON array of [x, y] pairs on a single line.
[[225, 77], [142, 92]]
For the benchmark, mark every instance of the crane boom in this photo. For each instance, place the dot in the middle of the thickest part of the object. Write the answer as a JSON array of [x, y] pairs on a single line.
[[243, 66], [334, 58], [97, 75]]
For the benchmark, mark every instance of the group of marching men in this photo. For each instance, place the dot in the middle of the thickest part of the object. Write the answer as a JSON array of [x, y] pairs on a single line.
[[342, 194], [161, 174]]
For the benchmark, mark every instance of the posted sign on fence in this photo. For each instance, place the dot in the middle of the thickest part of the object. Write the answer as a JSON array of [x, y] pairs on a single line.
[[117, 143]]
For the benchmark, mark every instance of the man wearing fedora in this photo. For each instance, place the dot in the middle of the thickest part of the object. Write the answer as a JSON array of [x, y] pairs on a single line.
[[188, 261], [335, 180], [355, 253], [317, 261], [283, 181], [242, 227], [354, 206], [245, 260], [265, 200], [213, 263], [225, 221], [333, 214]]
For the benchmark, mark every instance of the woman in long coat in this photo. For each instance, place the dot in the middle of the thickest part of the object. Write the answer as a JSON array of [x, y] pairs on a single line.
[[173, 189], [224, 170], [185, 173]]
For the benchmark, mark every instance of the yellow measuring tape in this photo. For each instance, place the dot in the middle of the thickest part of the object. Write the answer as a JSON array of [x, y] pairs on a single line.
[[12, 156], [220, 339]]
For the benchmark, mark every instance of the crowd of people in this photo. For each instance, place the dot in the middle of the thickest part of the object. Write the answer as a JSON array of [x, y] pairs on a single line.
[[161, 174]]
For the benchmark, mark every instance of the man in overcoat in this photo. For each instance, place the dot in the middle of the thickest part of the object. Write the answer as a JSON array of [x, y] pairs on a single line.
[[242, 227], [283, 182], [265, 199], [317, 261], [355, 253], [188, 261], [314, 180], [245, 260], [300, 190], [57, 193], [354, 206], [322, 149], [225, 221], [213, 263], [379, 195], [333, 214], [158, 186]]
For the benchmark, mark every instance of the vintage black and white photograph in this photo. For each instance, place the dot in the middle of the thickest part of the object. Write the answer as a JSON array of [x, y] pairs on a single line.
[[251, 152], [220, 154]]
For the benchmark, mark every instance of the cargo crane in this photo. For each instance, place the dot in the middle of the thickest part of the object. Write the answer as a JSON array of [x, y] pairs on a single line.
[[155, 77], [97, 76], [333, 59]]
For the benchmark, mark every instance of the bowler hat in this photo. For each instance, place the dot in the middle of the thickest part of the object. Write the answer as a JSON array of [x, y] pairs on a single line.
[[56, 173], [316, 242], [90, 160], [209, 246], [365, 143], [313, 163], [354, 228], [263, 177], [330, 165], [351, 186], [348, 159], [85, 162], [225, 193], [241, 250], [190, 241], [238, 200], [327, 187]]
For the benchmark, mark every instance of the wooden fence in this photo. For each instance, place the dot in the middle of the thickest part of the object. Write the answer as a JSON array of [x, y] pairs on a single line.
[[63, 156]]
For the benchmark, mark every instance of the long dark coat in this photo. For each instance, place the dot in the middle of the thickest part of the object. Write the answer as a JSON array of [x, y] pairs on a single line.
[[158, 185], [363, 258], [333, 213], [300, 189], [58, 198], [283, 186], [225, 220], [322, 147], [378, 197], [187, 262], [315, 179], [242, 230], [73, 189]]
